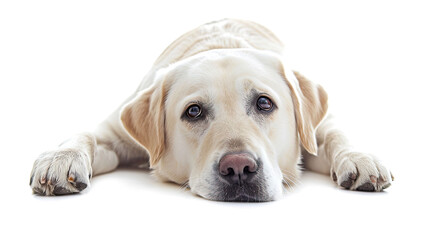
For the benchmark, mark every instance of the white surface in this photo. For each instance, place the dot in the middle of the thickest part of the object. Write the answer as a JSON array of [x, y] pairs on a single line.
[[65, 65]]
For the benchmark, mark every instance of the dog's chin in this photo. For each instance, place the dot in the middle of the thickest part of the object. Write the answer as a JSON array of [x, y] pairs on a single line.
[[248, 198], [249, 193], [240, 198]]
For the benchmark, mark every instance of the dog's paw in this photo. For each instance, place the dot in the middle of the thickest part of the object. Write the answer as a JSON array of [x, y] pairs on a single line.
[[60, 172], [361, 172]]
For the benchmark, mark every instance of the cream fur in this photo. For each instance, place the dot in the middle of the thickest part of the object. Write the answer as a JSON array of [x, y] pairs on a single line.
[[221, 64]]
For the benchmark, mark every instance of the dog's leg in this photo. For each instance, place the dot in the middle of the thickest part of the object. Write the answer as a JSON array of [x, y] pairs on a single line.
[[348, 168], [69, 168], [66, 169]]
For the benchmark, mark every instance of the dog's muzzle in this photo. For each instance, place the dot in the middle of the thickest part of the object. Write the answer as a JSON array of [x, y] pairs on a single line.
[[240, 178]]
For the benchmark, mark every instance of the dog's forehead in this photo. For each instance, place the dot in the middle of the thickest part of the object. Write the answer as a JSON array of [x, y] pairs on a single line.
[[232, 61], [227, 69]]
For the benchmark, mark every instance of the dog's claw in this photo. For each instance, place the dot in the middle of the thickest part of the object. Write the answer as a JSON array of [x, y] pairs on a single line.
[[373, 179], [71, 178], [43, 180]]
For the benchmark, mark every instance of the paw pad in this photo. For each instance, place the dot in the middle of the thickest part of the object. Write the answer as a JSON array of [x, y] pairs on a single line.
[[349, 181], [366, 187]]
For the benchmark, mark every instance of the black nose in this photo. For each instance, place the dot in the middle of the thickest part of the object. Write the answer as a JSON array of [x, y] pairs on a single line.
[[238, 168]]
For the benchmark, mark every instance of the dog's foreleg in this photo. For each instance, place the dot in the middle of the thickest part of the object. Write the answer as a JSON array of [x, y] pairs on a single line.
[[69, 168], [350, 169]]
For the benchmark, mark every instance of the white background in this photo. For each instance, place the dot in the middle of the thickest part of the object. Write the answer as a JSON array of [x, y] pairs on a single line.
[[65, 65]]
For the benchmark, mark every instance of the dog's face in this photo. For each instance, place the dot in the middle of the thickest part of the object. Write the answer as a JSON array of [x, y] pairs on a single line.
[[228, 122]]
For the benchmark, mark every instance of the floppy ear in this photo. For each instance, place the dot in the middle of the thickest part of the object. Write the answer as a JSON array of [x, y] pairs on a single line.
[[311, 104], [143, 118]]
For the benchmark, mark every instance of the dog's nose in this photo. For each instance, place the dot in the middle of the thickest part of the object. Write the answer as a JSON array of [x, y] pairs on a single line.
[[237, 168]]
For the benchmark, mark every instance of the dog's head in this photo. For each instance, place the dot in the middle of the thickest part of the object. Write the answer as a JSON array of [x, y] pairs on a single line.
[[227, 122]]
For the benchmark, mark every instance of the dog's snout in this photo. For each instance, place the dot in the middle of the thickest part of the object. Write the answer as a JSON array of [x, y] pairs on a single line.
[[237, 168]]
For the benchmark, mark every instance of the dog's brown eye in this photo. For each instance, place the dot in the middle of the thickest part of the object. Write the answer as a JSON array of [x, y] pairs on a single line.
[[264, 104], [193, 111]]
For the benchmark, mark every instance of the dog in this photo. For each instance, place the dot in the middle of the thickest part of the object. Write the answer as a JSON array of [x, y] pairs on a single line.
[[221, 113]]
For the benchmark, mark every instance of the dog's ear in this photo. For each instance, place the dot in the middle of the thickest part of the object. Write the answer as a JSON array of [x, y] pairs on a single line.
[[144, 119], [311, 104]]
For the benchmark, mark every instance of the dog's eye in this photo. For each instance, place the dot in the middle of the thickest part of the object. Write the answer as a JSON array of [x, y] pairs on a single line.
[[193, 111], [264, 104]]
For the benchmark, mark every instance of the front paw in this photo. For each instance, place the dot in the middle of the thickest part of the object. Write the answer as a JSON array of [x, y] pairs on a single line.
[[60, 172], [361, 172]]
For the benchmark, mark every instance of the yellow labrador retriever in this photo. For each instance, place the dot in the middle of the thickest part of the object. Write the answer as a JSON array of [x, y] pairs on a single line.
[[220, 112]]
